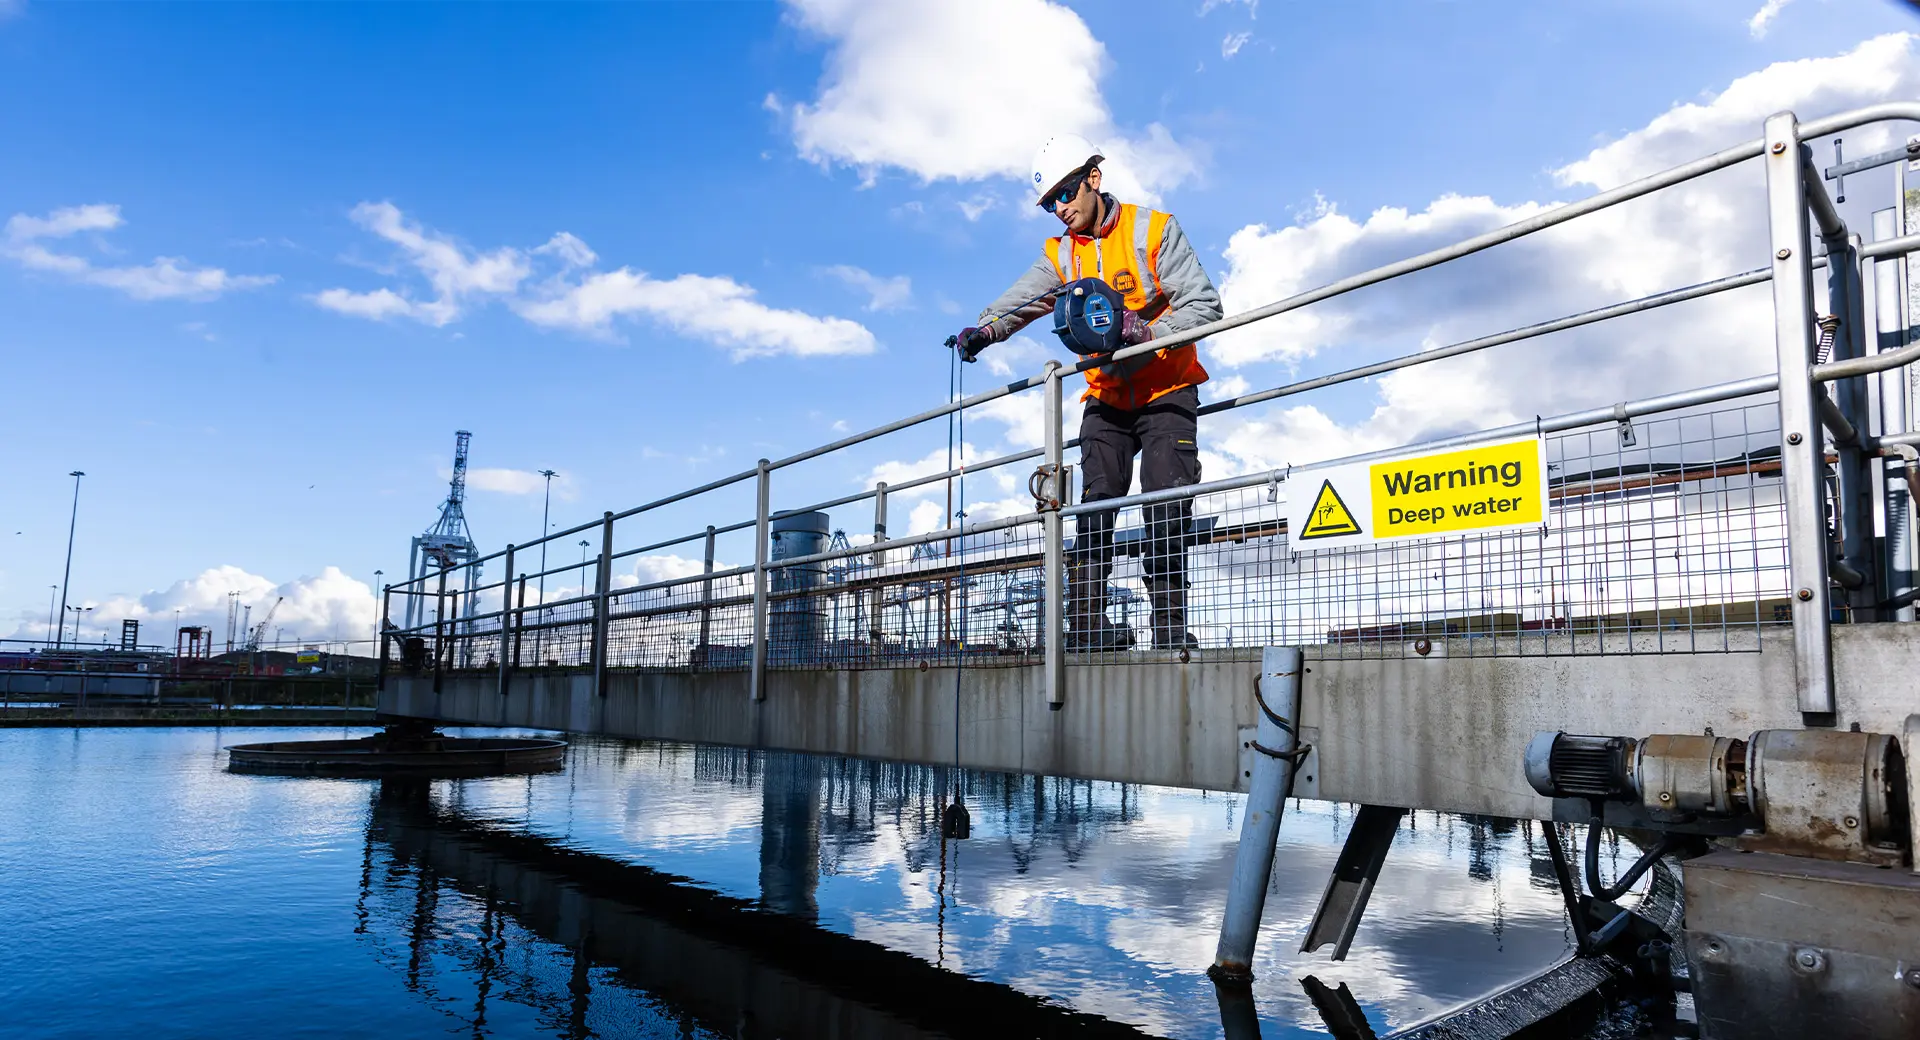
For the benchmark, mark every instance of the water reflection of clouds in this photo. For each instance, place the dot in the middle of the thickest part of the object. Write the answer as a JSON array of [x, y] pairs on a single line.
[[1104, 896]]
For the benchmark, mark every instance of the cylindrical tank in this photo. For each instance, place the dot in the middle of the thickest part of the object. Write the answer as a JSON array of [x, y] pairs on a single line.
[[796, 626]]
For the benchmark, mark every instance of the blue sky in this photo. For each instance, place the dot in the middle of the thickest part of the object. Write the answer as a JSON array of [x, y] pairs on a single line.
[[362, 204]]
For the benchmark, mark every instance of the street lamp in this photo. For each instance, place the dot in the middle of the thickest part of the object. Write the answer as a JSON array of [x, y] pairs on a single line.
[[68, 576], [583, 565], [53, 592], [546, 504], [381, 591], [78, 614]]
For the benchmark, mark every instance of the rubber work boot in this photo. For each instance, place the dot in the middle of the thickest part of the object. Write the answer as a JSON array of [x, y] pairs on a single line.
[[1088, 627], [1170, 616]]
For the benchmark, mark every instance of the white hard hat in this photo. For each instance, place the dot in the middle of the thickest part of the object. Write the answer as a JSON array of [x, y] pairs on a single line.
[[1060, 158]]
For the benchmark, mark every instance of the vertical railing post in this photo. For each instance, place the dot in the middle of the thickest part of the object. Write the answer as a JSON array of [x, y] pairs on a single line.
[[519, 618], [763, 497], [877, 594], [1890, 327], [1053, 586], [386, 648], [602, 588], [1803, 455], [706, 602], [439, 620], [506, 618]]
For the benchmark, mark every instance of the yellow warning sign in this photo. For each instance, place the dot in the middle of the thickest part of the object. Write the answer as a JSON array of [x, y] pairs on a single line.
[[1484, 487], [1329, 516], [1493, 485]]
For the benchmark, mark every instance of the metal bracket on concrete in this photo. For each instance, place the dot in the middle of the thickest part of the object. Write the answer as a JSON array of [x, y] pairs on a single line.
[[1354, 873]]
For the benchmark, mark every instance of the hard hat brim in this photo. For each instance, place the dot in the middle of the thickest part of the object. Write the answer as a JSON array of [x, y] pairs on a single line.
[[1077, 171]]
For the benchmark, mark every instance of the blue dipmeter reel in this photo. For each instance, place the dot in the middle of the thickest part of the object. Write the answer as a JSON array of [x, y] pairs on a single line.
[[1086, 316]]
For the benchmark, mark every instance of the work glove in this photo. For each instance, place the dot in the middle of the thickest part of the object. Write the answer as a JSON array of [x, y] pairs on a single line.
[[970, 342], [1133, 329]]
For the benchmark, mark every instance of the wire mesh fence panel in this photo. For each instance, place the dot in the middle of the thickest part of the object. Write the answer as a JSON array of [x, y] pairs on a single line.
[[1665, 535], [1669, 536]]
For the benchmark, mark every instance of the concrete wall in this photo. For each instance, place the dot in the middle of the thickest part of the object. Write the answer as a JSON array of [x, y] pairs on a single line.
[[1441, 732]]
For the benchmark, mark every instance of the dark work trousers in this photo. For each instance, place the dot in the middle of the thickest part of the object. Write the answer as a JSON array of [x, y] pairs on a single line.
[[1163, 435]]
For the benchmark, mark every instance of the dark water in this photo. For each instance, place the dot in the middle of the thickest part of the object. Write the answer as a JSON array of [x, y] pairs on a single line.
[[149, 893]]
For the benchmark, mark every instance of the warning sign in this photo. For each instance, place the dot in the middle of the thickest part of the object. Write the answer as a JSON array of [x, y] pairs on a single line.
[[1494, 486], [1329, 516]]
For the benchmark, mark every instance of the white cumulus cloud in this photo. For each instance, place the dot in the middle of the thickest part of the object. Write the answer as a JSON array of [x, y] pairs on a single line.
[[578, 298], [905, 87], [883, 293], [1762, 19], [162, 278], [327, 607]]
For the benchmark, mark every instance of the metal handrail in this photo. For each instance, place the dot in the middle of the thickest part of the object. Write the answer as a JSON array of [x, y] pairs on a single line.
[[1809, 194]]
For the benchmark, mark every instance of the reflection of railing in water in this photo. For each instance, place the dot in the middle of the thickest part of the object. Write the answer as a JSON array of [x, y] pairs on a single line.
[[583, 941]]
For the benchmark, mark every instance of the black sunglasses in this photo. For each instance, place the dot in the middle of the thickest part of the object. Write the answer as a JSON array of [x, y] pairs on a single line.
[[1067, 193]]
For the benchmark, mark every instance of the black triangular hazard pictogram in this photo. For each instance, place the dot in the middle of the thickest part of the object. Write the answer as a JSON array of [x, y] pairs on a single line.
[[1329, 516]]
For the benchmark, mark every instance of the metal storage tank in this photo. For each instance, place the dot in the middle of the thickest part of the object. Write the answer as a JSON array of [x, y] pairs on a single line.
[[797, 627]]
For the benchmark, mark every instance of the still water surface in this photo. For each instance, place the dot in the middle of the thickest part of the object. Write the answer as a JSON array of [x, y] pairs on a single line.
[[668, 890]]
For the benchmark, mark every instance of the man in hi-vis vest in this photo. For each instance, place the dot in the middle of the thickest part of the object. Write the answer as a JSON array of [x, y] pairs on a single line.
[[1142, 406]]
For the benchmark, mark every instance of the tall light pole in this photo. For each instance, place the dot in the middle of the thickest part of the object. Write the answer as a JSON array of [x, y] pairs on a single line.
[[53, 593], [583, 565], [546, 504], [78, 614], [68, 576], [380, 593]]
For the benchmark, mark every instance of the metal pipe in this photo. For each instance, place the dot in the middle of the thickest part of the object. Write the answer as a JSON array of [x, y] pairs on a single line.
[[762, 497], [602, 586], [1276, 754], [1645, 303], [1835, 421], [1854, 466], [1861, 366], [1888, 290], [945, 534], [1841, 171], [1053, 596], [1896, 247], [1802, 455], [1833, 230]]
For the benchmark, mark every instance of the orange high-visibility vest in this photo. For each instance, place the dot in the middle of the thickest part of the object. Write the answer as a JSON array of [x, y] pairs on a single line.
[[1114, 259]]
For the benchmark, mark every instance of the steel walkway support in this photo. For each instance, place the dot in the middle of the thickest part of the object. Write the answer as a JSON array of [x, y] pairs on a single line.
[[1276, 743], [1353, 876]]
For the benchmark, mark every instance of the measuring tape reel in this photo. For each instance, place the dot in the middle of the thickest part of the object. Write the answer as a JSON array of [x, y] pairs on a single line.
[[1087, 316]]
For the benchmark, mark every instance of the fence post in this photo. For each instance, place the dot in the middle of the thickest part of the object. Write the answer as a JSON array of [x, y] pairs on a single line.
[[519, 618], [506, 619], [1053, 596], [386, 606], [706, 604], [876, 626], [602, 587], [1802, 452], [439, 619], [763, 497]]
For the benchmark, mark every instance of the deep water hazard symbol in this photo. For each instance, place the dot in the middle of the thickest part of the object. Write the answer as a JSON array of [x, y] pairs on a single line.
[[1329, 516], [1492, 486]]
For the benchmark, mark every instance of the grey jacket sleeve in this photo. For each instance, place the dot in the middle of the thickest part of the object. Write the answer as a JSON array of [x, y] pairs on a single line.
[[1194, 300], [1001, 321]]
